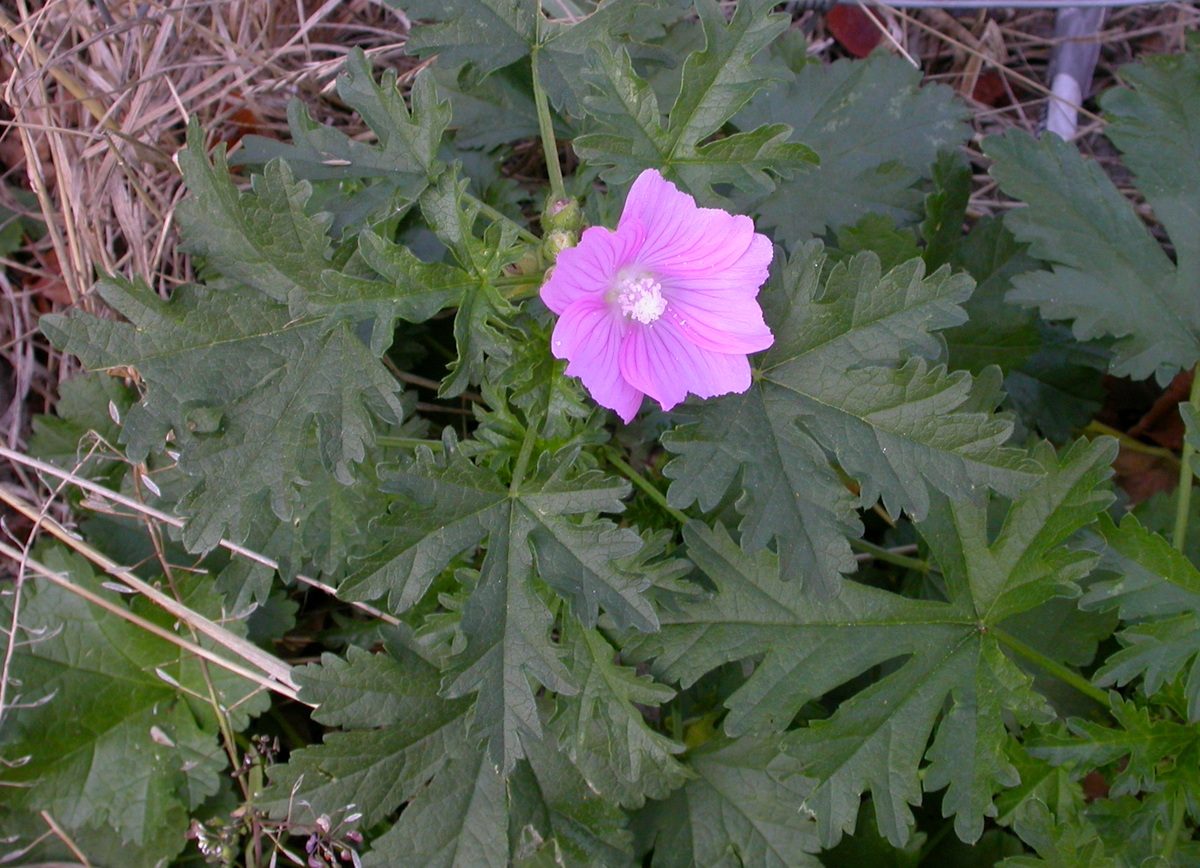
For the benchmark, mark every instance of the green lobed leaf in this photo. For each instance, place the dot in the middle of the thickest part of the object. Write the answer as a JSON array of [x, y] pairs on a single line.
[[1136, 749], [876, 131], [471, 815], [487, 34], [301, 395], [562, 817], [479, 326], [946, 207], [997, 332], [1058, 844], [1156, 592], [484, 36], [1053, 786], [110, 741], [508, 624], [741, 808], [845, 376], [790, 494], [1110, 276], [398, 166], [460, 820], [625, 133], [401, 734], [602, 728], [1053, 382], [532, 542], [943, 652], [262, 238], [398, 286]]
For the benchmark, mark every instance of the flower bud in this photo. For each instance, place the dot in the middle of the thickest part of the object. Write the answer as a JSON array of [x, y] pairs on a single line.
[[556, 242], [562, 215]]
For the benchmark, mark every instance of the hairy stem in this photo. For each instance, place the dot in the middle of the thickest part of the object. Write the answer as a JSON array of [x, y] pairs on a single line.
[[1183, 494], [500, 217], [546, 126], [645, 485], [879, 553], [1172, 839], [1051, 667], [523, 457]]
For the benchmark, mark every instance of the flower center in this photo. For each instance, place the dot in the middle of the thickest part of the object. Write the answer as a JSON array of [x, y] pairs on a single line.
[[641, 298]]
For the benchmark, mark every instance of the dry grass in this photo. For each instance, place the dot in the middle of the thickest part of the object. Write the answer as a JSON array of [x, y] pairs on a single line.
[[97, 98], [96, 104], [98, 94]]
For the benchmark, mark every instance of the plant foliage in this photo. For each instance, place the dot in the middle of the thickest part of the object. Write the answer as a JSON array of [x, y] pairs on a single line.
[[861, 608]]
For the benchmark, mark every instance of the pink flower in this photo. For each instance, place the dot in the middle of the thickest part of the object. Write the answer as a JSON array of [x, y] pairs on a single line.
[[664, 305]]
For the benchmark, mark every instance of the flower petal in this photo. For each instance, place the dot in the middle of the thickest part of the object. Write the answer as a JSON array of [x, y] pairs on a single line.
[[659, 360], [589, 335], [587, 271], [720, 323], [743, 276], [683, 240]]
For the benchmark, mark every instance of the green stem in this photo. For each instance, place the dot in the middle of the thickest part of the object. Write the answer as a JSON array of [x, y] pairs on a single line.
[[524, 289], [932, 842], [879, 553], [645, 485], [409, 442], [1183, 494], [1172, 839], [523, 460], [500, 217], [546, 126], [1052, 667]]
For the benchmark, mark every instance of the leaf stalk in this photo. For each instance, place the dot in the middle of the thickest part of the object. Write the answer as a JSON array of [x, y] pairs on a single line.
[[1183, 493], [1051, 667], [645, 485], [879, 553], [546, 124]]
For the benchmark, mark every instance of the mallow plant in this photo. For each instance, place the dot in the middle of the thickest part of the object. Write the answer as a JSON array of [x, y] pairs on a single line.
[[721, 501]]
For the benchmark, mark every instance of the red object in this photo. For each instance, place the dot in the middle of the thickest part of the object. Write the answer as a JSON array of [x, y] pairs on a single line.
[[990, 89], [854, 29]]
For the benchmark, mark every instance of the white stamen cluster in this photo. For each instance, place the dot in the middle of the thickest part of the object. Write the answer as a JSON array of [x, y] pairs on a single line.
[[640, 298]]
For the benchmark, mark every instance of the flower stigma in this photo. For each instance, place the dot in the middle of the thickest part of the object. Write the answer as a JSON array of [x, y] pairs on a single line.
[[641, 298]]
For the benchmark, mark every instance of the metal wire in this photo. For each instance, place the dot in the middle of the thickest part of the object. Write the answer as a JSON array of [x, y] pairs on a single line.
[[826, 5]]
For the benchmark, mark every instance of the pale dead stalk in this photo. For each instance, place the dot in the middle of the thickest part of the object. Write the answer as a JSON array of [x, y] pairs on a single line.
[[177, 522], [272, 666], [200, 651]]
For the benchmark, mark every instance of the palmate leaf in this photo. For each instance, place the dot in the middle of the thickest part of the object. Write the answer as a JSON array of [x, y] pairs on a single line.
[[398, 166], [1134, 750], [533, 542], [402, 744], [470, 816], [114, 744], [1156, 592], [740, 809], [1149, 761], [602, 730], [846, 376], [487, 35], [244, 431], [262, 238], [1110, 276], [625, 132], [1072, 844], [482, 310], [564, 821], [876, 131], [399, 733], [947, 658]]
